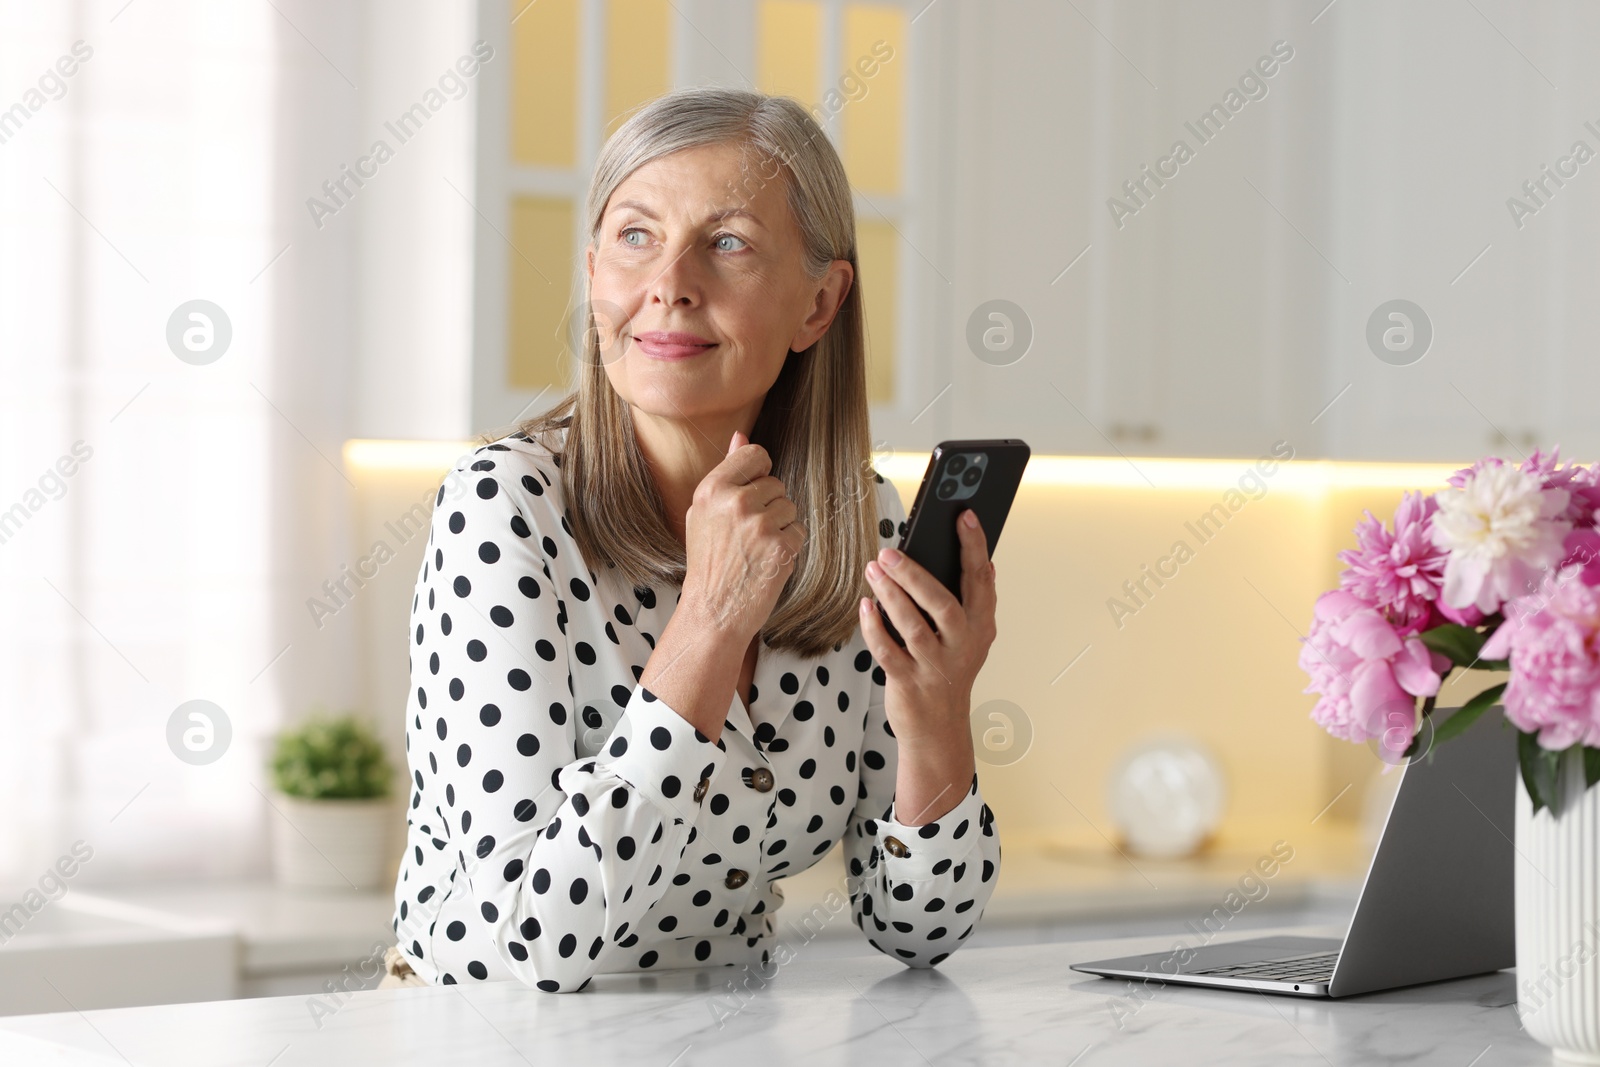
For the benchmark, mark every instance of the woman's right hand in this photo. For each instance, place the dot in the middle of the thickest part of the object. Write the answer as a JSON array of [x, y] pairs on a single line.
[[742, 536]]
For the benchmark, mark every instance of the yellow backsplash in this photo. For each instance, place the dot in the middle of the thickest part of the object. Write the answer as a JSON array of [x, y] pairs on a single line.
[[1211, 651]]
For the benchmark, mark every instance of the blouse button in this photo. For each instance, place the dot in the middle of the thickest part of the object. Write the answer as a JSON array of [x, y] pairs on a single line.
[[736, 878], [759, 779], [894, 847], [700, 789]]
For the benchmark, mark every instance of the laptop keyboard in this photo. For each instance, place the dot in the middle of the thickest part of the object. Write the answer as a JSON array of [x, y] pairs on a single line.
[[1315, 967]]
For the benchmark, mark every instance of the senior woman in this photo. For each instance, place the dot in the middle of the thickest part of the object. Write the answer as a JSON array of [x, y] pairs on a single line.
[[646, 681]]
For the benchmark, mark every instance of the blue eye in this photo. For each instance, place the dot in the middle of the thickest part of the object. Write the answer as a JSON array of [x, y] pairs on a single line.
[[624, 236], [730, 236]]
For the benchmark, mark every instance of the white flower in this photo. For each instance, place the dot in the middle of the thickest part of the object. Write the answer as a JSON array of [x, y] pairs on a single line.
[[1503, 529]]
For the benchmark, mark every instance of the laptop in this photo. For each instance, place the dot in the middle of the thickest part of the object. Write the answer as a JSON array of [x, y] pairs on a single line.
[[1436, 902]]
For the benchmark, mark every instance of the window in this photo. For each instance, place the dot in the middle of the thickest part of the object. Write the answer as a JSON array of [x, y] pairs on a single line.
[[543, 124]]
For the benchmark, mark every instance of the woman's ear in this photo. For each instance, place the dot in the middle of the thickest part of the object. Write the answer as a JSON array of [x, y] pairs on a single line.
[[833, 288]]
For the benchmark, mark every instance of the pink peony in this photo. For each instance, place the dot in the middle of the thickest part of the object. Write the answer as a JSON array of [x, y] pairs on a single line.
[[1553, 640], [1582, 484], [1367, 673], [1503, 530], [1583, 550], [1401, 571]]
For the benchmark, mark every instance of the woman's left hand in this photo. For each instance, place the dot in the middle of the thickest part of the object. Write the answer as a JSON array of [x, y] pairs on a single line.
[[928, 693]]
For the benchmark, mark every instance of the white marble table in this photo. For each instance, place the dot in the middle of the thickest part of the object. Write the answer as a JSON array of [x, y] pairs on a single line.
[[981, 1006]]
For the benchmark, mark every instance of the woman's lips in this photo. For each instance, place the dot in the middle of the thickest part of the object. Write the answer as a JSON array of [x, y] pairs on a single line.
[[660, 349]]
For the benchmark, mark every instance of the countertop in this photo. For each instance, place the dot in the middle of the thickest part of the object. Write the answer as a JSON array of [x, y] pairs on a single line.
[[1017, 1004]]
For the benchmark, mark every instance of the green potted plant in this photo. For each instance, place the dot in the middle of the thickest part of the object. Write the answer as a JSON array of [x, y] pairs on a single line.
[[335, 821]]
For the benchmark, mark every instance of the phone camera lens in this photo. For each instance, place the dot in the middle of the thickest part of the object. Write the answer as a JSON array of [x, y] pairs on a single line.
[[956, 465], [972, 476], [947, 488]]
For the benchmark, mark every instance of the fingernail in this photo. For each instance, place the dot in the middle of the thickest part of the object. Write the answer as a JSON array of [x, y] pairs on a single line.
[[866, 606], [890, 557], [970, 517], [874, 571]]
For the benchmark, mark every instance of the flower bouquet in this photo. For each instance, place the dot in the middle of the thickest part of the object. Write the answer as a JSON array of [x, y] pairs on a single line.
[[1498, 572]]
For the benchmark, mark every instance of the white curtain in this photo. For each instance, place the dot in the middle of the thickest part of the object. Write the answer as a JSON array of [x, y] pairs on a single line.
[[135, 516], [207, 501]]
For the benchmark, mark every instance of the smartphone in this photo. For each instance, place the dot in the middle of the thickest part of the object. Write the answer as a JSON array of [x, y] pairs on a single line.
[[981, 475]]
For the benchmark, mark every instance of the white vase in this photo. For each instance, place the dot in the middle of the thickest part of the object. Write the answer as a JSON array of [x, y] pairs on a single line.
[[1558, 919], [334, 843]]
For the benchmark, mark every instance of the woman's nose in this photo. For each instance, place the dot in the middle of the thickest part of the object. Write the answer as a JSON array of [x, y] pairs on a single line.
[[678, 281]]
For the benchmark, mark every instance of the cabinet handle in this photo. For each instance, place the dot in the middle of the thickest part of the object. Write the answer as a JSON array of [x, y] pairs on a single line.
[[1139, 431], [1524, 438]]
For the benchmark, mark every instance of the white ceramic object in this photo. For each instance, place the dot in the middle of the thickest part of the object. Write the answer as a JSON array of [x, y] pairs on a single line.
[[334, 843], [1558, 920], [1166, 796]]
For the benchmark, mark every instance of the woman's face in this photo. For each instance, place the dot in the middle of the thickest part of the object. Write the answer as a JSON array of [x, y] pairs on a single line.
[[701, 244]]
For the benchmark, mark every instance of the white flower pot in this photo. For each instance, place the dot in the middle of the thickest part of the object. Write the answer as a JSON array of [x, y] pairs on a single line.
[[1558, 920], [335, 843]]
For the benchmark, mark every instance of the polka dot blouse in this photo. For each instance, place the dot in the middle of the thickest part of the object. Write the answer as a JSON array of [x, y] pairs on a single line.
[[564, 821]]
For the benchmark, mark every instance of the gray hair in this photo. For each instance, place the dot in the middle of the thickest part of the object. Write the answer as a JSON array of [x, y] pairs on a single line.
[[814, 418]]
